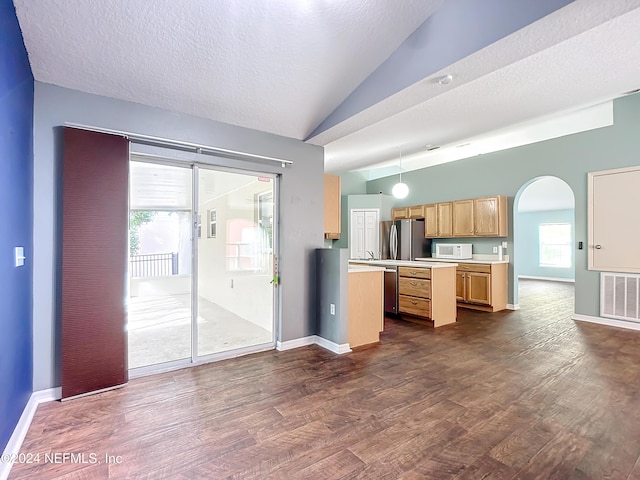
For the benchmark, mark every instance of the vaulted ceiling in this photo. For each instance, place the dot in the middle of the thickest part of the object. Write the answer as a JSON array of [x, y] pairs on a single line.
[[366, 79]]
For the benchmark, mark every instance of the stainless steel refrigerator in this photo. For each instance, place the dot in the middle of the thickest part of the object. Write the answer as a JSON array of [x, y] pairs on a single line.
[[400, 240], [403, 240]]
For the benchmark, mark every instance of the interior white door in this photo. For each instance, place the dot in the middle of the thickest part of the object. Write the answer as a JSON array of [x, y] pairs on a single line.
[[357, 235], [372, 232], [613, 232], [364, 234]]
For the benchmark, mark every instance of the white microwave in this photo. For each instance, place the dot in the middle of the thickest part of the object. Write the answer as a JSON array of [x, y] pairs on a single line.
[[455, 251]]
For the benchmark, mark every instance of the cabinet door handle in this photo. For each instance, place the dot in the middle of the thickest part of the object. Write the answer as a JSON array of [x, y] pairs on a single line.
[[414, 302], [414, 284], [413, 272], [598, 247]]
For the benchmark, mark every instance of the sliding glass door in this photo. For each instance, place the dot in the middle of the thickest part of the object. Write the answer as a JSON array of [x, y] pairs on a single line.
[[181, 310], [235, 261], [160, 263]]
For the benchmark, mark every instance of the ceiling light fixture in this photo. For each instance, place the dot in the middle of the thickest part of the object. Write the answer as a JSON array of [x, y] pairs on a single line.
[[445, 79], [400, 190]]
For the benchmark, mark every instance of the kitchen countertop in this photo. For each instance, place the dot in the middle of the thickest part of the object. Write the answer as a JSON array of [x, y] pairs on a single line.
[[402, 263], [490, 261], [364, 268]]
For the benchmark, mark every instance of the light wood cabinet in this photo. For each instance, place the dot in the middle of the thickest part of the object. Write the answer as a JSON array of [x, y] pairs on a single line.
[[332, 205], [414, 291], [475, 217], [365, 307], [490, 216], [399, 213], [427, 293], [438, 220], [463, 218], [417, 211], [480, 217], [482, 286]]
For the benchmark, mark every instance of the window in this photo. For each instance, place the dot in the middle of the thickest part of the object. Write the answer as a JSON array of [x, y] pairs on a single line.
[[555, 245]]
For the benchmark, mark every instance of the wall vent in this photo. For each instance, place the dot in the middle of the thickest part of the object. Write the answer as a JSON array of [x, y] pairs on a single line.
[[620, 296]]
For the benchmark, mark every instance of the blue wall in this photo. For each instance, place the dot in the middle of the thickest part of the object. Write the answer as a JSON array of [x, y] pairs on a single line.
[[526, 234], [16, 180]]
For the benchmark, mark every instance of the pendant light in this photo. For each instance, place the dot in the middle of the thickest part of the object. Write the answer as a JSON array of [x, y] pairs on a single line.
[[400, 190]]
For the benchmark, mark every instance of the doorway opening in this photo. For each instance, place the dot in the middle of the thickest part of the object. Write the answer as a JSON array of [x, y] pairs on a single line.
[[202, 245], [544, 247]]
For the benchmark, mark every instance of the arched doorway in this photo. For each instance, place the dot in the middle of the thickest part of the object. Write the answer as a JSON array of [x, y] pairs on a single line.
[[544, 232]]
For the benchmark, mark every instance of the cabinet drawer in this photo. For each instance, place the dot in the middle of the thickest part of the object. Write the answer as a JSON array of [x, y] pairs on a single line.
[[414, 272], [474, 267], [420, 307], [415, 287]]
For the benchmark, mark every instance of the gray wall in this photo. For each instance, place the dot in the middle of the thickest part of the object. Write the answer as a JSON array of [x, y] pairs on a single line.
[[332, 287], [505, 172], [301, 204], [527, 238]]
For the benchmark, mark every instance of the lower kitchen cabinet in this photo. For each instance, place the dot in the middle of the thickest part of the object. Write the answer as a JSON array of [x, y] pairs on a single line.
[[427, 293], [482, 286]]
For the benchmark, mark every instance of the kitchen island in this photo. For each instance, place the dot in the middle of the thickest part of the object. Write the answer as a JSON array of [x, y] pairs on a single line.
[[425, 290], [350, 308], [481, 282], [365, 304]]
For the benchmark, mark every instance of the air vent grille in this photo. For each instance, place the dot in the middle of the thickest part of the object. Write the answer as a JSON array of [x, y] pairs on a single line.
[[620, 296]]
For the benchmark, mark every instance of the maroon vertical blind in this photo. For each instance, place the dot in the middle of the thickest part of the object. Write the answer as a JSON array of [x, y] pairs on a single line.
[[94, 256]]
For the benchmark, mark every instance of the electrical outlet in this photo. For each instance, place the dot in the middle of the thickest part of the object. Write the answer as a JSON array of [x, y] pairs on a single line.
[[504, 244], [333, 309], [495, 249]]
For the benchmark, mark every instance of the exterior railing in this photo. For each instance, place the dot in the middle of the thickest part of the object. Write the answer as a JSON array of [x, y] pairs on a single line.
[[153, 265]]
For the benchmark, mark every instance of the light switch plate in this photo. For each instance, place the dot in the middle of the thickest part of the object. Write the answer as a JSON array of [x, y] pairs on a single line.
[[19, 256]]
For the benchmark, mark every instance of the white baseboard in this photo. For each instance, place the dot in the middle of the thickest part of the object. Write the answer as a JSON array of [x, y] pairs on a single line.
[[296, 343], [611, 322], [548, 279], [511, 306], [20, 432], [333, 347], [314, 340]]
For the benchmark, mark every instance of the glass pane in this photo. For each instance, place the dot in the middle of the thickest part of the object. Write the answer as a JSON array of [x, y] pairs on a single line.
[[159, 308], [235, 261], [555, 245]]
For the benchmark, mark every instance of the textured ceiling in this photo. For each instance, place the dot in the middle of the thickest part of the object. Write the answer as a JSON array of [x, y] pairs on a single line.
[[289, 66], [279, 66]]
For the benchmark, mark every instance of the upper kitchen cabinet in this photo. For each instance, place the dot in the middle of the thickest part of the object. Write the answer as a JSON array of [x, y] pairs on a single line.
[[462, 213], [401, 213], [331, 206], [417, 211], [438, 220], [480, 217], [490, 216]]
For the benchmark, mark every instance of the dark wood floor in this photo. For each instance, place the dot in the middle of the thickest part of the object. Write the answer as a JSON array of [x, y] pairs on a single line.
[[526, 394]]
